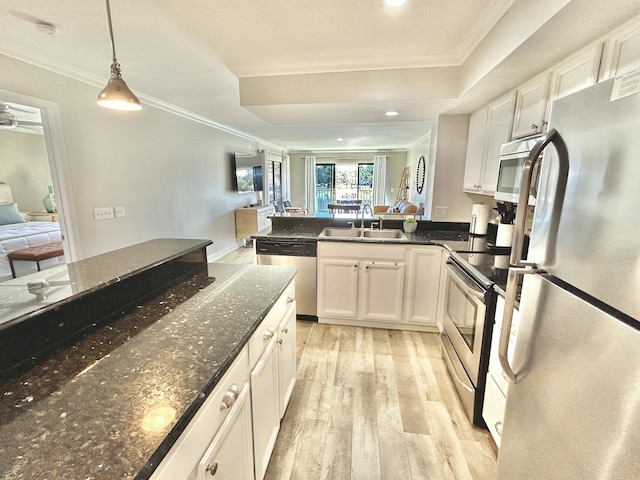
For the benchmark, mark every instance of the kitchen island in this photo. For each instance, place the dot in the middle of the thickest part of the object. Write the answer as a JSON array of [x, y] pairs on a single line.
[[112, 403]]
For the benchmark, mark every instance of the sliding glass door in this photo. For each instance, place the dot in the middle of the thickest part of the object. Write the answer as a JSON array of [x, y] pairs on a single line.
[[343, 183], [325, 186]]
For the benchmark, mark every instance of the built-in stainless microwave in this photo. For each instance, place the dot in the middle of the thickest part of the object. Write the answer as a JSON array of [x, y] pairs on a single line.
[[512, 158]]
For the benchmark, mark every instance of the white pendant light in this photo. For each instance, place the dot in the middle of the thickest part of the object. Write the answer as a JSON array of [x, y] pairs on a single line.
[[7, 119], [116, 94]]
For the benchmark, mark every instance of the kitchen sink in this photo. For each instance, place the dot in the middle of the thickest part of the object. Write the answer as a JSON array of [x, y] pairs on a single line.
[[341, 232], [384, 234], [363, 235]]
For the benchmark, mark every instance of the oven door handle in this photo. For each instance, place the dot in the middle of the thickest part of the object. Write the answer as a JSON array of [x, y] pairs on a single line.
[[453, 370], [471, 288]]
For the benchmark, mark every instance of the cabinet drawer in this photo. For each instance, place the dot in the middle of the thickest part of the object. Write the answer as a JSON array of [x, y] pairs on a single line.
[[269, 326], [493, 409], [182, 460]]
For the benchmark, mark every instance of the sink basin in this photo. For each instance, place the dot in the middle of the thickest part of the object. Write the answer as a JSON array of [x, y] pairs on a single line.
[[384, 234], [341, 232], [390, 235]]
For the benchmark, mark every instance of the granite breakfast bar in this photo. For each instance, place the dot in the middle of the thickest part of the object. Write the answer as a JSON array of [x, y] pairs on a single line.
[[112, 402]]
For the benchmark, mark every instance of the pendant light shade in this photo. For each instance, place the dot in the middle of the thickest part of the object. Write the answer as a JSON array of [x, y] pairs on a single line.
[[116, 94], [7, 119]]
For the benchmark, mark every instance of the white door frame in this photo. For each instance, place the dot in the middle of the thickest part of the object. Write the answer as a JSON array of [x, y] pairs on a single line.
[[58, 166]]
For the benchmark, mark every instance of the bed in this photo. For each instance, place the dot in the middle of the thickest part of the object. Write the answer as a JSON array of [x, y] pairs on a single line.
[[16, 234]]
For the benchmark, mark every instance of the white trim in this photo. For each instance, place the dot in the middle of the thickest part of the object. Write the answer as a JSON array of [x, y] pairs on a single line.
[[58, 166]]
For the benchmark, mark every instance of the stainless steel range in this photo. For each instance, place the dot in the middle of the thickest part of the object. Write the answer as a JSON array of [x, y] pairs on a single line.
[[470, 302]]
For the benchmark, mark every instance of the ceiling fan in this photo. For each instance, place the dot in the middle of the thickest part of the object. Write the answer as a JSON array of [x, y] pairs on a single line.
[[8, 120]]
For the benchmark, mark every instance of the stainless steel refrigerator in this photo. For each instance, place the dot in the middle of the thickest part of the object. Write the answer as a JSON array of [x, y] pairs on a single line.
[[573, 406]]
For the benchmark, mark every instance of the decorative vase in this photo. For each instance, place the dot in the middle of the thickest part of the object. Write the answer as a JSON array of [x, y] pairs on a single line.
[[409, 227], [49, 202]]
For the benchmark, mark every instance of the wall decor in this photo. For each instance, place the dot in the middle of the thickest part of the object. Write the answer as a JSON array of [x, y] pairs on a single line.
[[420, 173]]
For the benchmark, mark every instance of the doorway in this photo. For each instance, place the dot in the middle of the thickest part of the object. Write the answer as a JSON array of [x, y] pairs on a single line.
[[41, 119]]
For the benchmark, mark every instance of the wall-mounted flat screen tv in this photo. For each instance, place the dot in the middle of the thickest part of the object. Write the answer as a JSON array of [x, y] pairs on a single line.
[[248, 172]]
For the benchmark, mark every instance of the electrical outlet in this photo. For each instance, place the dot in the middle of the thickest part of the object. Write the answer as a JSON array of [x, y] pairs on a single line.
[[442, 212], [104, 213], [120, 212]]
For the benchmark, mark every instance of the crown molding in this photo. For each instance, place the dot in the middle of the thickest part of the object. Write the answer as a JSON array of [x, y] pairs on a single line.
[[27, 56]]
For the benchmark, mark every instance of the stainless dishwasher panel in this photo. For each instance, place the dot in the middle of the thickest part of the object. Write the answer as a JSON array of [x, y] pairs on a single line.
[[301, 255]]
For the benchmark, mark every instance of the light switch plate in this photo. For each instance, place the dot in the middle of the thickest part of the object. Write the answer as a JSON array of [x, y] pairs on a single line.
[[120, 212], [442, 212], [102, 213]]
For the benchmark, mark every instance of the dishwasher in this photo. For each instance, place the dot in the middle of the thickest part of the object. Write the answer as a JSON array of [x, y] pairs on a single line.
[[299, 253]]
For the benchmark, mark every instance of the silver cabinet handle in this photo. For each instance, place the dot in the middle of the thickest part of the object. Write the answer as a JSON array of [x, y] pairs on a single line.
[[280, 342], [227, 402], [285, 330], [212, 468], [498, 426], [290, 298], [269, 333]]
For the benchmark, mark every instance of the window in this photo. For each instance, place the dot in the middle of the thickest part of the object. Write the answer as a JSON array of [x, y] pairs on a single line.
[[274, 181]]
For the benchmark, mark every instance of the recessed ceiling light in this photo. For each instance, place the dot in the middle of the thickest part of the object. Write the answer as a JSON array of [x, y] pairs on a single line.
[[339, 139], [394, 3], [391, 113]]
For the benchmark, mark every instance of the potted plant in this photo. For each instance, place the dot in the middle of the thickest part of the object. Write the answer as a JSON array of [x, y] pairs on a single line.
[[409, 225]]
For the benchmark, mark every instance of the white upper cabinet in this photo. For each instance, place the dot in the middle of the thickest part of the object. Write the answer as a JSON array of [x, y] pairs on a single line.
[[475, 151], [489, 128], [622, 50], [531, 107], [575, 73]]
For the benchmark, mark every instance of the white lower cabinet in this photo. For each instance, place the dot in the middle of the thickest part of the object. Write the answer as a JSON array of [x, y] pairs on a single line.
[[360, 284], [379, 285], [265, 406], [337, 287], [230, 455], [223, 413], [382, 288], [232, 435], [423, 284], [273, 369], [287, 357]]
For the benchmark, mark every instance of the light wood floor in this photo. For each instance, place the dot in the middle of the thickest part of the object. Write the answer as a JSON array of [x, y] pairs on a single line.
[[374, 404], [242, 255]]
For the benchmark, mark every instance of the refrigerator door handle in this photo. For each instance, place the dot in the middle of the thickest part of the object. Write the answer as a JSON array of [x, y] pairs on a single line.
[[509, 305], [528, 170]]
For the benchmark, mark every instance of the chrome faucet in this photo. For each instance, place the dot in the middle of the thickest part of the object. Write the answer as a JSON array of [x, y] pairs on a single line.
[[364, 207]]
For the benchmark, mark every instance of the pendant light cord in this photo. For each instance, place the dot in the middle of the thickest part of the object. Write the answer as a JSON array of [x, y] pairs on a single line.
[[115, 66]]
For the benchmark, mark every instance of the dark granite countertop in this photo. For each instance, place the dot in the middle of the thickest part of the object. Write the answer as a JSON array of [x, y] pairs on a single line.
[[84, 411], [454, 236]]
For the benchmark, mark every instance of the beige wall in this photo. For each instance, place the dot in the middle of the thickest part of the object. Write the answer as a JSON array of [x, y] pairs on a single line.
[[173, 175], [396, 161], [24, 166], [449, 156], [413, 155]]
